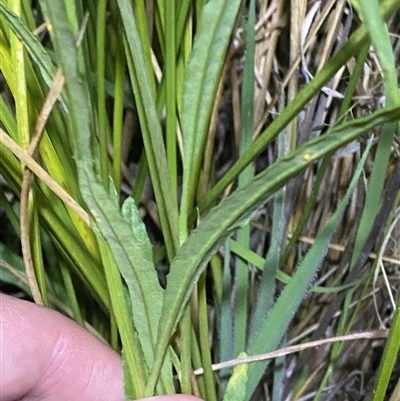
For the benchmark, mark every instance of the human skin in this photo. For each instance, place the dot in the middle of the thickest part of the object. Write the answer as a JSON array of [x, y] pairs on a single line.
[[45, 356]]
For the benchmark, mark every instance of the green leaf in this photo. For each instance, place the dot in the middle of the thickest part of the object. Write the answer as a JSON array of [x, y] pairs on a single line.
[[133, 364], [241, 280], [275, 325], [202, 77], [389, 358], [236, 390], [73, 65], [235, 211], [258, 261], [8, 262], [151, 129], [131, 215], [381, 40], [34, 47], [131, 251]]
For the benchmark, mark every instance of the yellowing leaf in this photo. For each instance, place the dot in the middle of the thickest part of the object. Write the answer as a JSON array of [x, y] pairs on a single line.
[[236, 390]]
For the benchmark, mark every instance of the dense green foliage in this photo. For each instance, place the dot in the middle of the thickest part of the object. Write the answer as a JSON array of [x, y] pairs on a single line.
[[190, 138]]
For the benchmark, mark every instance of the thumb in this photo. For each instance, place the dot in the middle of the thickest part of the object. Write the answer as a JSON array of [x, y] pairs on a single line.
[[44, 355]]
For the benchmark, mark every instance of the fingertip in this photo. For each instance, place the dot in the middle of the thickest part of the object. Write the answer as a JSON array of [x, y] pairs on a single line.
[[48, 356]]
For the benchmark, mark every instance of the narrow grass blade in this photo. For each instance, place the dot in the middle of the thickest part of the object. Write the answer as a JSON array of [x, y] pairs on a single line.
[[202, 76], [279, 376], [133, 364], [378, 31], [275, 325], [32, 44], [266, 292], [120, 70], [226, 351], [381, 41], [72, 62], [209, 375], [101, 90], [170, 87], [241, 277], [151, 129], [389, 358], [258, 261]]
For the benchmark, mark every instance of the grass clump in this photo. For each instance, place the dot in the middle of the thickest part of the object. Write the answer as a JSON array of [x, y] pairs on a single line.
[[219, 177]]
